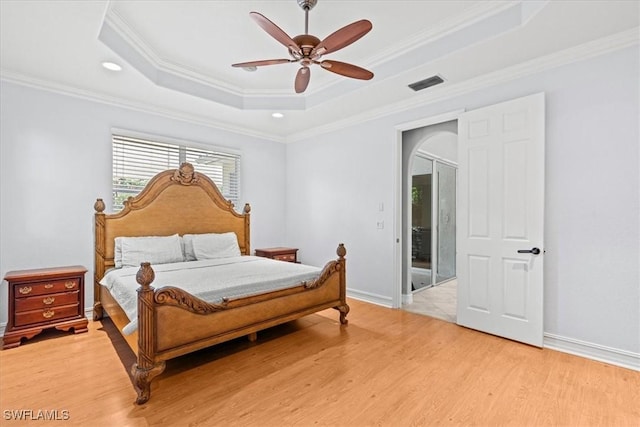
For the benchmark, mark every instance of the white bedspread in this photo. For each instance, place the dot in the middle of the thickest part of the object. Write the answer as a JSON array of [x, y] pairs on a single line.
[[210, 280]]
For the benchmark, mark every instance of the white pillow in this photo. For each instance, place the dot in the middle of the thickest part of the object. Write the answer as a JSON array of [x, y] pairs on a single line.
[[117, 253], [187, 244], [153, 249], [213, 245]]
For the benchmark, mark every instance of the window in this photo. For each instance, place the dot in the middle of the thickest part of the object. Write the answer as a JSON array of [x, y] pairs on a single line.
[[136, 161]]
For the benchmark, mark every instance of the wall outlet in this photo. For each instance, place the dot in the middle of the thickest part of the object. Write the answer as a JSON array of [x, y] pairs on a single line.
[[380, 225]]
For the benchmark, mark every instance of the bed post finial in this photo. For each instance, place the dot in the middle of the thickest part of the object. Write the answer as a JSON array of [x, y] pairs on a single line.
[[247, 208], [99, 205], [145, 275], [341, 251]]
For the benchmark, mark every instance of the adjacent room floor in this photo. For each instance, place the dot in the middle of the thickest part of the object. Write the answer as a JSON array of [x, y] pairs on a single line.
[[438, 301]]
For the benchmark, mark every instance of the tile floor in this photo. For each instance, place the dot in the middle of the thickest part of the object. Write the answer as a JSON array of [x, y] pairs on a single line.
[[438, 301], [420, 278]]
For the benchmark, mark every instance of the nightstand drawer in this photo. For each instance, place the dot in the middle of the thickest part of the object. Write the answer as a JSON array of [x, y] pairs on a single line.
[[48, 287], [279, 253], [46, 301], [288, 257], [46, 314]]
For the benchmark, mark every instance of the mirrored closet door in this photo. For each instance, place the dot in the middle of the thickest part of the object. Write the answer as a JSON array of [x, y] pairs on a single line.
[[433, 214]]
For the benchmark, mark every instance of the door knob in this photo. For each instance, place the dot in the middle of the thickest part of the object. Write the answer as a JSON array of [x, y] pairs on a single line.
[[534, 251]]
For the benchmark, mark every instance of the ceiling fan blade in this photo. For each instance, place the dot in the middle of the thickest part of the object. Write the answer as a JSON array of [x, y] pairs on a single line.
[[261, 63], [343, 37], [302, 79], [274, 31], [347, 70]]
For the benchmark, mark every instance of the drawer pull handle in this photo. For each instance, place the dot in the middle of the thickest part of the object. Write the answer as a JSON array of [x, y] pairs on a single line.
[[70, 285], [48, 286], [48, 300], [48, 314], [26, 290]]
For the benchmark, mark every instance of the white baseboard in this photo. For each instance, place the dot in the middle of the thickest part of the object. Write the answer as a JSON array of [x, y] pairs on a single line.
[[407, 299], [610, 355], [370, 297]]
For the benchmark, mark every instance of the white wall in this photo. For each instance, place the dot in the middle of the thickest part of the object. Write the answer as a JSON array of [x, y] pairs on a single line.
[[335, 192], [592, 290], [55, 160]]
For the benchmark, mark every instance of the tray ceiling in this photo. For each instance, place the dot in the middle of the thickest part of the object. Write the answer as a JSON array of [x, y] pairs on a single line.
[[177, 55]]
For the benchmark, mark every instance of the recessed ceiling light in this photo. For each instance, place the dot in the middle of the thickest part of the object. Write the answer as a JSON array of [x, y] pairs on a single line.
[[250, 68], [277, 115], [112, 66]]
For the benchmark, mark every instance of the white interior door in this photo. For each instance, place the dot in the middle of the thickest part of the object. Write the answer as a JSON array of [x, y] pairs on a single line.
[[501, 209]]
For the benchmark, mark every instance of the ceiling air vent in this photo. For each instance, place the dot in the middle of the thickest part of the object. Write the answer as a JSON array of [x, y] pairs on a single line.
[[423, 84]]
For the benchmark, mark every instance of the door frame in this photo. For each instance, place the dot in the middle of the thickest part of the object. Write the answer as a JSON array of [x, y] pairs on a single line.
[[400, 247]]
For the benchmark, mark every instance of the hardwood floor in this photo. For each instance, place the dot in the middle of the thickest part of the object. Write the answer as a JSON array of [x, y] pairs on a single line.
[[387, 367]]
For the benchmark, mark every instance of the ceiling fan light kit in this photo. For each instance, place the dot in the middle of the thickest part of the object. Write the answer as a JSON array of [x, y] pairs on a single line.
[[307, 49]]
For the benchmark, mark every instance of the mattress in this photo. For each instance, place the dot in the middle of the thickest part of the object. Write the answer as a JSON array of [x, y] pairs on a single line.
[[210, 280]]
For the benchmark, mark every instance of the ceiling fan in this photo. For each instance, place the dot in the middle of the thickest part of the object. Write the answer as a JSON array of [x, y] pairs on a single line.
[[308, 49]]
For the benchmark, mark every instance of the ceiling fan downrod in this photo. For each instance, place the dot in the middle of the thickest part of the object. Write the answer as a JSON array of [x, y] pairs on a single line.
[[306, 5]]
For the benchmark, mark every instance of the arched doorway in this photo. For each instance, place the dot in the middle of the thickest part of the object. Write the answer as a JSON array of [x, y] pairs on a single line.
[[429, 198]]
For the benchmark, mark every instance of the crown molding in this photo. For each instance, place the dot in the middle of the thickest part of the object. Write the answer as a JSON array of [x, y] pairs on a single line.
[[481, 21], [127, 32], [485, 21], [578, 53], [121, 37], [585, 51], [66, 90], [472, 15]]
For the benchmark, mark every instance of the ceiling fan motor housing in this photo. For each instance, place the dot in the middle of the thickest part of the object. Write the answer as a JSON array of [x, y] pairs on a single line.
[[306, 42]]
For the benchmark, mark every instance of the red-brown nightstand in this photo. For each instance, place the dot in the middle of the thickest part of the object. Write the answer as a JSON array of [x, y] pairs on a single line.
[[44, 298], [280, 253]]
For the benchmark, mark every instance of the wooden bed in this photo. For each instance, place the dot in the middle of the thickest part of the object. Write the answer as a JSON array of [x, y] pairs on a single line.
[[172, 322]]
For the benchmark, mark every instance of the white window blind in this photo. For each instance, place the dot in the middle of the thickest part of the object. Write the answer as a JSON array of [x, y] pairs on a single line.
[[136, 161]]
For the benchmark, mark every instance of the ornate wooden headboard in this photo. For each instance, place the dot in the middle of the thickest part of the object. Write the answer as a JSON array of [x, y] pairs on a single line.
[[174, 201]]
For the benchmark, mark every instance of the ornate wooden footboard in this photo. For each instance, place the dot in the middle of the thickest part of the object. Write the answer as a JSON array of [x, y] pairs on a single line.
[[172, 322], [203, 324]]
